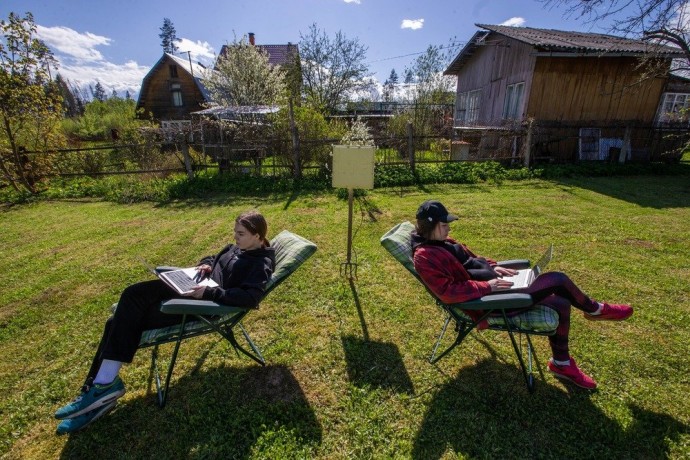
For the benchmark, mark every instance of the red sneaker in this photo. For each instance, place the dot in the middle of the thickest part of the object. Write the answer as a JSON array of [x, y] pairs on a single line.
[[612, 312], [572, 373]]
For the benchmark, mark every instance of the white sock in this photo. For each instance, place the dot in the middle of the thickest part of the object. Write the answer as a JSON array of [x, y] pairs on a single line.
[[562, 363], [598, 312], [107, 372]]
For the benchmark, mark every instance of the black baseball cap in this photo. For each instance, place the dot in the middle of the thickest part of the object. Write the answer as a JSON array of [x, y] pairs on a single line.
[[434, 211]]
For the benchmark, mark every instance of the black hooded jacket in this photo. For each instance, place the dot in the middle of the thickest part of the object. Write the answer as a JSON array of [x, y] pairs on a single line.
[[241, 275]]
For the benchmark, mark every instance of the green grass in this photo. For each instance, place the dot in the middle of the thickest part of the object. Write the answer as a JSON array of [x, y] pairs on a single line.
[[347, 375]]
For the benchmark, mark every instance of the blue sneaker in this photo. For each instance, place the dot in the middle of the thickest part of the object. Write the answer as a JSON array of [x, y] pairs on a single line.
[[79, 422], [92, 397]]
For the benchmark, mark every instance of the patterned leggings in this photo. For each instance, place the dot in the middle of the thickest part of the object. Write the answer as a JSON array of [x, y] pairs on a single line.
[[558, 292]]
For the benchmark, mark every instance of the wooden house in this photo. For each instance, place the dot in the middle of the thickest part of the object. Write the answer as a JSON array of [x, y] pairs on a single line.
[[587, 93], [172, 90]]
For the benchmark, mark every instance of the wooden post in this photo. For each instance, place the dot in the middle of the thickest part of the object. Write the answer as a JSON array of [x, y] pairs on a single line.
[[295, 142], [626, 144], [187, 158], [410, 145], [528, 144]]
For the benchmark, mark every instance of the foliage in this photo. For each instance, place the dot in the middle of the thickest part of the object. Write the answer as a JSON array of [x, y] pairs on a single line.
[[102, 119], [244, 76], [332, 68], [313, 129], [30, 105], [358, 134], [665, 22], [168, 37]]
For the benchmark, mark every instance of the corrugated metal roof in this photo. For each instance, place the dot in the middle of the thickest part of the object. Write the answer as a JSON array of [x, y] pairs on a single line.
[[560, 40], [550, 41]]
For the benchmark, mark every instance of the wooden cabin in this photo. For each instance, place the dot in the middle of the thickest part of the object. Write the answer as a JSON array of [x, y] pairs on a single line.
[[586, 92], [172, 90]]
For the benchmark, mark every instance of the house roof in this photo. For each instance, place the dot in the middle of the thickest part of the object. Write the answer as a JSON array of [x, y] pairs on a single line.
[[550, 42], [277, 54], [195, 70]]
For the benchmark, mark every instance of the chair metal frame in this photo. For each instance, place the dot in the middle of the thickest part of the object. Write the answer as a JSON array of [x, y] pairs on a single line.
[[489, 304], [215, 318]]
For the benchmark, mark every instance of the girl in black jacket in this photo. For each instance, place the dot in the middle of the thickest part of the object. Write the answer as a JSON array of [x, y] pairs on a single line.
[[241, 270]]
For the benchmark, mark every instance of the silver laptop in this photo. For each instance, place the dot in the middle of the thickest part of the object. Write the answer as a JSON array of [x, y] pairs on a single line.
[[184, 280], [526, 276]]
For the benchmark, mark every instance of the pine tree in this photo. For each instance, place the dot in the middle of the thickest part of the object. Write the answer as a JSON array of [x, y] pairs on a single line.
[[168, 37], [409, 78], [98, 92], [393, 78], [127, 95]]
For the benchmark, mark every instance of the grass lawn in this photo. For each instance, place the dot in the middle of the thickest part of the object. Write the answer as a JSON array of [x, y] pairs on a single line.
[[347, 375]]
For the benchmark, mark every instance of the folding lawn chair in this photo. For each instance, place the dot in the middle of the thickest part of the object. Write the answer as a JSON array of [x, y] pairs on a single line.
[[200, 317], [536, 320]]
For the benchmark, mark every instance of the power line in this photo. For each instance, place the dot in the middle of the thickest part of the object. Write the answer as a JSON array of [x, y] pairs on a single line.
[[454, 45]]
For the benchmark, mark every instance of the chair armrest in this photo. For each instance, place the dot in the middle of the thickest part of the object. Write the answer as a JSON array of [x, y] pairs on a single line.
[[197, 307], [514, 263], [165, 268], [496, 302]]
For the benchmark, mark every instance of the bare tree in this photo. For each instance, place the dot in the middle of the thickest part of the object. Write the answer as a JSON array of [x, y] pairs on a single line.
[[332, 68], [665, 22]]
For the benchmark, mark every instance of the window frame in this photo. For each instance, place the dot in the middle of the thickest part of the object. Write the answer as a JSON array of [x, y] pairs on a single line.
[[512, 104]]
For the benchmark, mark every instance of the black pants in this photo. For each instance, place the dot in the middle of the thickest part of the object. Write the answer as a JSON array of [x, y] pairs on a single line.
[[138, 310]]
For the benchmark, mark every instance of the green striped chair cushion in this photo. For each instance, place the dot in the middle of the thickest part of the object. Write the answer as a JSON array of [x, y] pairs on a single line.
[[291, 252], [398, 243]]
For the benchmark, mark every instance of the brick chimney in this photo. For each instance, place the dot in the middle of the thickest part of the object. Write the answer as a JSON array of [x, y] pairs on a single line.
[[251, 38]]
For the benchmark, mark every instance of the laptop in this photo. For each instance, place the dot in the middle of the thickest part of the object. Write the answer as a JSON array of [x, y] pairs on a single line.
[[526, 276], [185, 280]]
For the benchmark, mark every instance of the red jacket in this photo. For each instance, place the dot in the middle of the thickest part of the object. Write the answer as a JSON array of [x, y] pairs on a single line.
[[445, 276]]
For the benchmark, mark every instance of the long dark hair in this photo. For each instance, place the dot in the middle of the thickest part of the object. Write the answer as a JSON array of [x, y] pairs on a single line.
[[255, 223]]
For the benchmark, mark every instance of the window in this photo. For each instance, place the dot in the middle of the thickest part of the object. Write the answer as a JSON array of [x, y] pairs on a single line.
[[674, 107], [176, 92], [173, 71], [467, 107], [512, 106]]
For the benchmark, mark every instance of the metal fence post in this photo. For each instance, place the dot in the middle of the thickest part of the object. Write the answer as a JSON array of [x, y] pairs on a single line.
[[410, 145]]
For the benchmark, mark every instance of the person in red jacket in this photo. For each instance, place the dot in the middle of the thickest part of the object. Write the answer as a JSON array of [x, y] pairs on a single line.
[[455, 274]]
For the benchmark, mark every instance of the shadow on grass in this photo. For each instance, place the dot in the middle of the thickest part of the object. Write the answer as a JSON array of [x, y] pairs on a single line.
[[220, 413], [376, 365], [659, 192], [484, 412]]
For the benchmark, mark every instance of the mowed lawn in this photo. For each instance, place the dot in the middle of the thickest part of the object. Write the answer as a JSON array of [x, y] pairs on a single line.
[[347, 373]]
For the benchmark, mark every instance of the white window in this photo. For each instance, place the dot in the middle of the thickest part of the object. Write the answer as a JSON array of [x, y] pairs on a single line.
[[473, 99], [674, 107], [176, 91], [512, 106], [467, 107]]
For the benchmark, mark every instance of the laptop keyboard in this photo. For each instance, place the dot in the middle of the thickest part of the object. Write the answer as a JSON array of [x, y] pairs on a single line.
[[180, 278]]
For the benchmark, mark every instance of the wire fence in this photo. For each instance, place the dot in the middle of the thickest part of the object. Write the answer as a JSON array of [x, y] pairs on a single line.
[[523, 145]]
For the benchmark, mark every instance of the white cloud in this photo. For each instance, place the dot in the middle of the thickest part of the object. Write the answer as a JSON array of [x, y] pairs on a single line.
[[353, 1], [72, 43], [514, 22], [201, 51], [120, 77], [80, 62], [413, 24]]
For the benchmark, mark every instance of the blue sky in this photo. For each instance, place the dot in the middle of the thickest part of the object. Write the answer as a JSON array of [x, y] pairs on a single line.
[[116, 43]]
